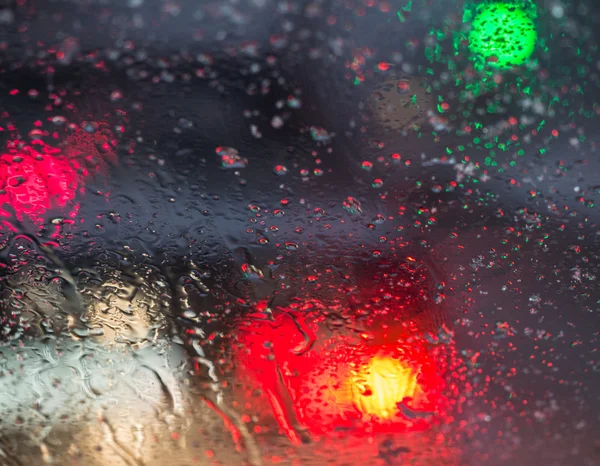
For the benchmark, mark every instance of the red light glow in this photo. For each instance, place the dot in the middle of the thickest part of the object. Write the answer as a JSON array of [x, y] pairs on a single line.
[[36, 177], [319, 382]]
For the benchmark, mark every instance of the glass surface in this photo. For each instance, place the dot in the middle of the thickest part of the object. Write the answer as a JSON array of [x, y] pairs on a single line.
[[255, 232]]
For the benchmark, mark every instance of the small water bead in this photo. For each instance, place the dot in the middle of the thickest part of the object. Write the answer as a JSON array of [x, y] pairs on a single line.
[[36, 134], [403, 86], [189, 314], [294, 102], [256, 133], [230, 158], [116, 96], [319, 134], [90, 126], [352, 205], [367, 166], [277, 122], [377, 183], [281, 170], [379, 219]]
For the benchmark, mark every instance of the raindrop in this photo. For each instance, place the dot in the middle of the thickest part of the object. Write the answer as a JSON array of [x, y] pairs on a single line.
[[90, 126], [277, 122], [116, 96], [59, 120], [230, 158], [367, 166], [352, 205], [319, 134], [280, 170], [379, 219], [294, 102]]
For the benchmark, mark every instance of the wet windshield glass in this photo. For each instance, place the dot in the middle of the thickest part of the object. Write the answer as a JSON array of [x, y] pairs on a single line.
[[255, 232]]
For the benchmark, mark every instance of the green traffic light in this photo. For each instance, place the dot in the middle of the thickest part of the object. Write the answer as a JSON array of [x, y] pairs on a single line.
[[502, 35]]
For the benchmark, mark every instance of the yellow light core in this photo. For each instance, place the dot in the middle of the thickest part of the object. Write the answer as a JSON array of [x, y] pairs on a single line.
[[380, 385]]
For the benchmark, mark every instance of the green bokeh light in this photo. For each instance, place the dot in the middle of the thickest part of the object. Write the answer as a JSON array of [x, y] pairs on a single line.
[[502, 35]]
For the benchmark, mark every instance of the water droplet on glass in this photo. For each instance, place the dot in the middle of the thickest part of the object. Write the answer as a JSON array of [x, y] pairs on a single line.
[[277, 122], [352, 205], [379, 219], [280, 170], [116, 96], [230, 158], [294, 102], [90, 126], [319, 134]]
